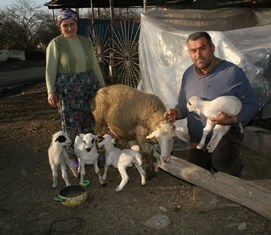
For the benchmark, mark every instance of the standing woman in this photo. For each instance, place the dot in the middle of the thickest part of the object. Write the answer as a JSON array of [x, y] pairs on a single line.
[[73, 75]]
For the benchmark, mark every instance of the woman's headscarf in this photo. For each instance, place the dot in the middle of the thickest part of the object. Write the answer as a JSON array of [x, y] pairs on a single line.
[[64, 14]]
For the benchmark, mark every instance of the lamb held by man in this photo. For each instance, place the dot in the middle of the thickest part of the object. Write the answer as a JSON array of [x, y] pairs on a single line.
[[121, 159], [85, 148], [229, 105], [58, 157]]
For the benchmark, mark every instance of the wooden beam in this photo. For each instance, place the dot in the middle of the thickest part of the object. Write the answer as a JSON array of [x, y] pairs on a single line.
[[246, 193]]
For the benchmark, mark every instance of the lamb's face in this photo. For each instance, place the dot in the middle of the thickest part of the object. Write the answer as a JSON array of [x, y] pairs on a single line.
[[193, 103], [89, 141], [106, 139], [62, 138]]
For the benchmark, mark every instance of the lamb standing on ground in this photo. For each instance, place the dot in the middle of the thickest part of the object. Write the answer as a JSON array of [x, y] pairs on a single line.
[[58, 156], [121, 159], [230, 105], [131, 115], [86, 150]]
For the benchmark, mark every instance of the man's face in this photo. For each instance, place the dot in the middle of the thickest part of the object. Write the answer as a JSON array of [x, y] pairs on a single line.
[[201, 52]]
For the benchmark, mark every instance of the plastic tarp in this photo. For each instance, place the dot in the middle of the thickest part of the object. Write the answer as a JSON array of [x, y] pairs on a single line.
[[242, 36]]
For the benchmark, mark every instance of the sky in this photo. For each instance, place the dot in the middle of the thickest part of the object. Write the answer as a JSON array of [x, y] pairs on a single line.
[[6, 3]]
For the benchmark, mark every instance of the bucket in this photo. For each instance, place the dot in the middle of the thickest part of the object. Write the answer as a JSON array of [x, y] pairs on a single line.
[[73, 195]]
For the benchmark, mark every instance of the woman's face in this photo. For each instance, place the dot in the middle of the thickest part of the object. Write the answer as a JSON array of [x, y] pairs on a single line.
[[69, 28]]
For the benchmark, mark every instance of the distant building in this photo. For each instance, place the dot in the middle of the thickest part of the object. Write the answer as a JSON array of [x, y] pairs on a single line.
[[14, 54]]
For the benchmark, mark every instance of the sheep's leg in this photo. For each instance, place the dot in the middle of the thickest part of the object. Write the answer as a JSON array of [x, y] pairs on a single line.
[[106, 167], [64, 174], [124, 177], [142, 173], [209, 126], [222, 130], [215, 134], [82, 171], [98, 173], [54, 174], [158, 159], [72, 167]]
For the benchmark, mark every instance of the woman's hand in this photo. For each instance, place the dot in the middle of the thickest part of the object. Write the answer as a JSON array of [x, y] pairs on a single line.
[[52, 99]]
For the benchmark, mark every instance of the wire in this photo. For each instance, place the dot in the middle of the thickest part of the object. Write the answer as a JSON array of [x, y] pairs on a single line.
[[66, 226]]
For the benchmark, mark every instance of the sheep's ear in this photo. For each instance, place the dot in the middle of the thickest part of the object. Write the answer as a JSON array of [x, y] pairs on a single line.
[[152, 135], [60, 139], [81, 135]]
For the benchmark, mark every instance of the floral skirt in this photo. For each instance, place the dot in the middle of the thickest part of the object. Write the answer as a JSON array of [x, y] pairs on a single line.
[[74, 93]]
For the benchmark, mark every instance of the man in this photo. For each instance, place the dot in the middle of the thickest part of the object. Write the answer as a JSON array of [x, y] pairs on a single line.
[[208, 78]]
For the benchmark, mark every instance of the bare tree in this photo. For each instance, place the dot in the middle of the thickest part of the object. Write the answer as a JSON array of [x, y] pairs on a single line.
[[22, 26]]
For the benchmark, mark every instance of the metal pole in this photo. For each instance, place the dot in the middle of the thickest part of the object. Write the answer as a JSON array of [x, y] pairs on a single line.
[[145, 6], [111, 3]]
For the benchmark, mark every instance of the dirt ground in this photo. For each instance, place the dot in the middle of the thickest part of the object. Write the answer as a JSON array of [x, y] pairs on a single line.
[[27, 204]]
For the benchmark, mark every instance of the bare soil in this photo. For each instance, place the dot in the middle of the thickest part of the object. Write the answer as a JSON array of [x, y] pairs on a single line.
[[27, 204]]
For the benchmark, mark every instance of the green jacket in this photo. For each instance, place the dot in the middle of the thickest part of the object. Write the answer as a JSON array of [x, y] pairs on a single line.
[[60, 60]]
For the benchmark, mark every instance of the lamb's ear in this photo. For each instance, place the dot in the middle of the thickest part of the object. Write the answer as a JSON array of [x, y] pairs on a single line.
[[60, 139], [113, 141], [100, 138]]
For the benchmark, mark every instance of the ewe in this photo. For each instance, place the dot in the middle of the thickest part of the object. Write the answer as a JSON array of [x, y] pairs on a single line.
[[132, 115], [121, 159], [86, 150], [58, 156], [230, 105]]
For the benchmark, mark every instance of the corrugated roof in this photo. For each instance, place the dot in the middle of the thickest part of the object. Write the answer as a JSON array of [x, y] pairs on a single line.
[[199, 4], [100, 3]]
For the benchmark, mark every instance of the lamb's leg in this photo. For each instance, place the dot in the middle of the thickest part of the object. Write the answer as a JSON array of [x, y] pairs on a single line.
[[222, 130], [106, 167], [98, 173], [215, 134], [72, 166], [64, 173], [54, 174], [141, 172], [82, 171], [209, 126], [124, 177]]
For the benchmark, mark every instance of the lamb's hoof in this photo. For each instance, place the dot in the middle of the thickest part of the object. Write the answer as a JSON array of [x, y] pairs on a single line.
[[104, 184], [118, 189]]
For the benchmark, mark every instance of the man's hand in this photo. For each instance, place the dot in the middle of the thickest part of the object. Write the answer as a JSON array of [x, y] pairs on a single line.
[[224, 119], [171, 115]]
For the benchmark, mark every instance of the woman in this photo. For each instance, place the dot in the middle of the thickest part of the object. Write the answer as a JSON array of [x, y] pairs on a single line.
[[73, 75]]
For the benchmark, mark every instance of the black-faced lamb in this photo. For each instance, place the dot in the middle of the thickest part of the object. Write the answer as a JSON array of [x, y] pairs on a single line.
[[133, 115], [230, 105], [58, 157], [121, 159], [86, 150]]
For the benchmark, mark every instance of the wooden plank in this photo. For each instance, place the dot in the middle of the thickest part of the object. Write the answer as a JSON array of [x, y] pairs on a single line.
[[245, 193]]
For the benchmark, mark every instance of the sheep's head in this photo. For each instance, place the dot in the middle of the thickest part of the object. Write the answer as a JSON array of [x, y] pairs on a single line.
[[89, 141], [62, 138], [164, 134], [106, 139], [193, 104]]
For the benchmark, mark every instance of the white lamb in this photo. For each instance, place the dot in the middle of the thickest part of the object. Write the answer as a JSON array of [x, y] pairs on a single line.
[[86, 150], [230, 105], [58, 157], [121, 159]]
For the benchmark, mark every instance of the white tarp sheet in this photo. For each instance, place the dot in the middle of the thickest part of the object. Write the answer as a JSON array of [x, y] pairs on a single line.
[[242, 36]]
